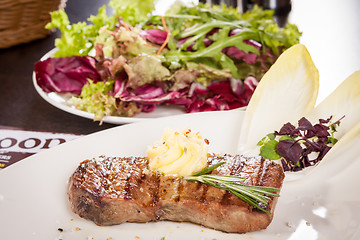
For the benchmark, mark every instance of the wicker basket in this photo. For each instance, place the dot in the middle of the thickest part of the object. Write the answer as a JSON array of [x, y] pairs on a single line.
[[22, 21]]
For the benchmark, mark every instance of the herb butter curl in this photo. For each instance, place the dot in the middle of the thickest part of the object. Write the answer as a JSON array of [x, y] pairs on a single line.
[[182, 153]]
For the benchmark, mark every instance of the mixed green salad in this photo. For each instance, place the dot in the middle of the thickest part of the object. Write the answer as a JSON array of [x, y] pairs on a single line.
[[200, 57]]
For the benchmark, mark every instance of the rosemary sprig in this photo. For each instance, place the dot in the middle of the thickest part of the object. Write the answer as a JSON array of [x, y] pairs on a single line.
[[253, 195]]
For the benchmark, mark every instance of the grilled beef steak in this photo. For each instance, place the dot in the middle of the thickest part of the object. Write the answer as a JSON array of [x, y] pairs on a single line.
[[111, 191]]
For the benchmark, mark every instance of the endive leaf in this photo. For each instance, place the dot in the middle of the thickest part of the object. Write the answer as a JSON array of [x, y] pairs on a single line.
[[344, 101], [287, 92]]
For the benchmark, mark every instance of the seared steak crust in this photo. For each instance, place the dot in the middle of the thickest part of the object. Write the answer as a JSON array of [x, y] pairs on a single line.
[[111, 191]]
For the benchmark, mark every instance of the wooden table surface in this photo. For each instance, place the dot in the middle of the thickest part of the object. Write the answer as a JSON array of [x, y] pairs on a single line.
[[331, 32]]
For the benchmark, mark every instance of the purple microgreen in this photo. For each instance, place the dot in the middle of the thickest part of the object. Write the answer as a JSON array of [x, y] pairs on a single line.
[[287, 129], [305, 125], [323, 152], [290, 150]]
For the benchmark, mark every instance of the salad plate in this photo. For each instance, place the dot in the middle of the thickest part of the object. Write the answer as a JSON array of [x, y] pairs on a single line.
[[198, 56], [60, 101], [34, 204]]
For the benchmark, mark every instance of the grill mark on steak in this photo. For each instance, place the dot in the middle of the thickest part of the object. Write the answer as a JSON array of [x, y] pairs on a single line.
[[178, 188], [114, 190], [156, 189], [234, 169], [203, 196], [257, 179], [127, 190], [225, 198]]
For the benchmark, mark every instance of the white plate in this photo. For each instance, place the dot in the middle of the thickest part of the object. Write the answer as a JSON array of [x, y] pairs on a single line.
[[33, 200]]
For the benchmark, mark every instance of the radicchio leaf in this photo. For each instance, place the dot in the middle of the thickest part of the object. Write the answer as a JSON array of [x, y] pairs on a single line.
[[66, 74], [154, 35], [221, 95], [249, 58]]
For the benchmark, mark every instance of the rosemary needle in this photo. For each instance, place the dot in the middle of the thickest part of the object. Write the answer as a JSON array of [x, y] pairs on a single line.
[[253, 195]]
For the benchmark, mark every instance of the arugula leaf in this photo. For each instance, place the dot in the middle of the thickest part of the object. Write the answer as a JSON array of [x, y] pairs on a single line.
[[257, 24], [215, 50]]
